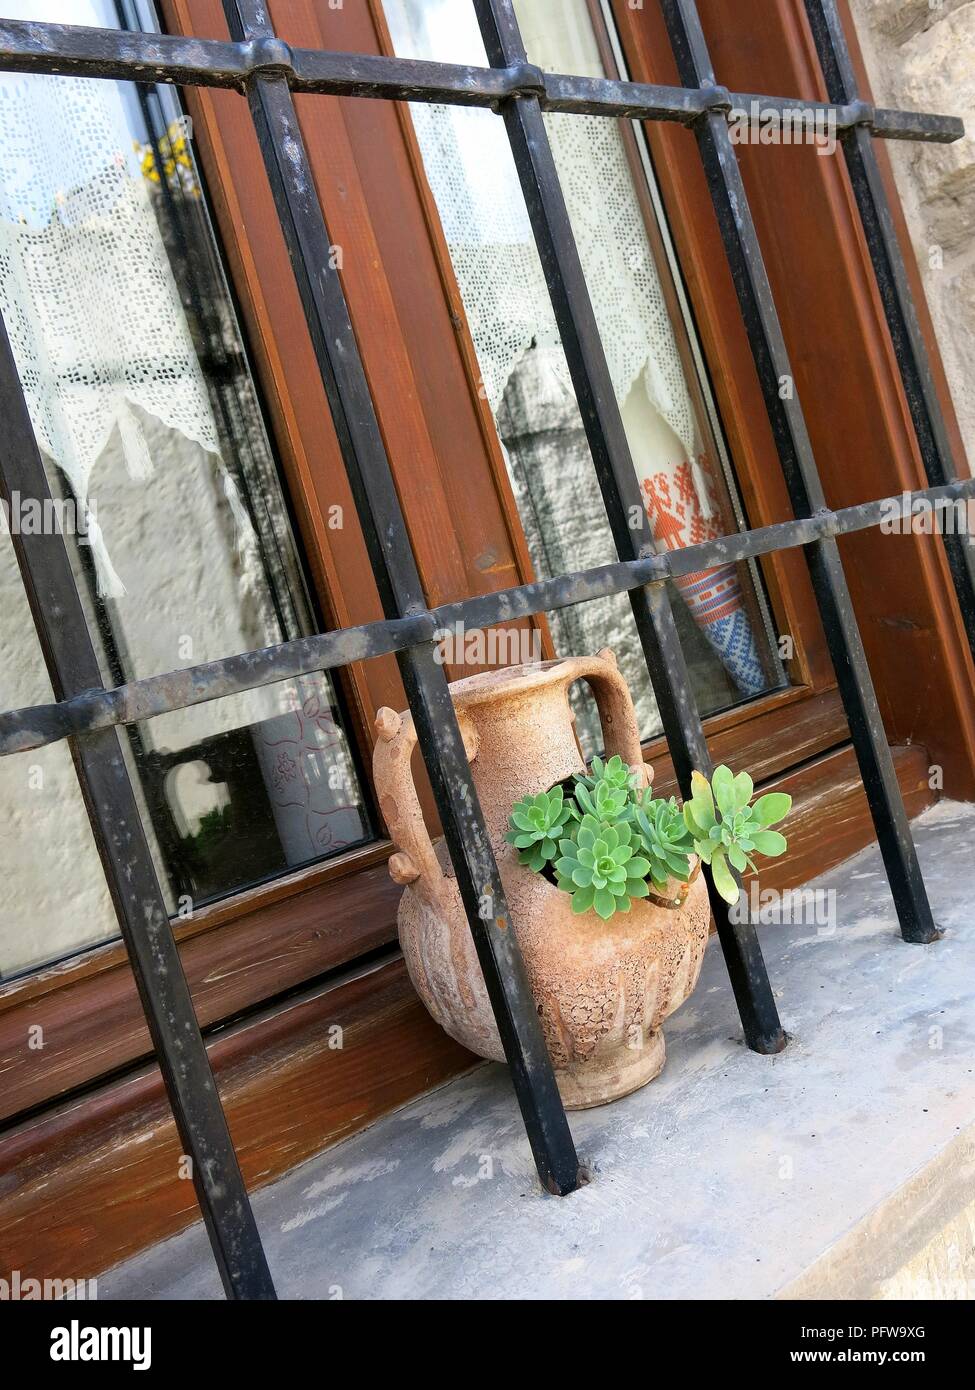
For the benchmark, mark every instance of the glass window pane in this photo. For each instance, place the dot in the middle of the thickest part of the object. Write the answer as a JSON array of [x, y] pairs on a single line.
[[654, 361], [143, 403], [55, 899]]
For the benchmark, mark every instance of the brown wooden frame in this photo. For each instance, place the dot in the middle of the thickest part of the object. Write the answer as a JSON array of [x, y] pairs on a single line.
[[84, 1185], [464, 524], [295, 930]]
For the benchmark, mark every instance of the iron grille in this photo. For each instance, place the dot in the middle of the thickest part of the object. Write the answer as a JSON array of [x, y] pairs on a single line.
[[270, 72]]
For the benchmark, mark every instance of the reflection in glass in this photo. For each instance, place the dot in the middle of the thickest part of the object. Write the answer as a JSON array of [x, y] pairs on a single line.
[[55, 898], [144, 407], [653, 360]]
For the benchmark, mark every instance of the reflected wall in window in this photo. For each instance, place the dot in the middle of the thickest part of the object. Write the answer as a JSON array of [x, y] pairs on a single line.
[[143, 404], [654, 361], [55, 899]]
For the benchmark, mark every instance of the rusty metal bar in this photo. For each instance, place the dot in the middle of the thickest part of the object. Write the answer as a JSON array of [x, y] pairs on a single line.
[[22, 730], [805, 488], [394, 566], [121, 842], [628, 519], [79, 51]]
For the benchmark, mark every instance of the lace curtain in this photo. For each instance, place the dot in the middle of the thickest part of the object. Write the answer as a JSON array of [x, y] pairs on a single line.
[[475, 186], [474, 182], [87, 293]]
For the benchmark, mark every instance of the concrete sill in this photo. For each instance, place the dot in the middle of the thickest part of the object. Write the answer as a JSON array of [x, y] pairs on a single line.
[[843, 1167]]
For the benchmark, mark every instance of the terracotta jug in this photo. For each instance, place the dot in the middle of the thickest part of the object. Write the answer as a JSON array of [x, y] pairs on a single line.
[[602, 989]]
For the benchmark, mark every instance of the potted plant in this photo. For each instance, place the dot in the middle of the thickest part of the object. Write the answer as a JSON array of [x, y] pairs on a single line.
[[602, 878]]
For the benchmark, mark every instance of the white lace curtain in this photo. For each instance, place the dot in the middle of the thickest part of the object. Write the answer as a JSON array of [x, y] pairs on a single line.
[[86, 289], [473, 179]]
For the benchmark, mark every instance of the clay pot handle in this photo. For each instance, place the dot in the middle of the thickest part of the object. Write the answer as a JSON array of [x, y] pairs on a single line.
[[415, 860], [617, 715]]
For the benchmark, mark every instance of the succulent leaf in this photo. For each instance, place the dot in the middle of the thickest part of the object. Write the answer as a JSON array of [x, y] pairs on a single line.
[[771, 808], [770, 843], [723, 786], [723, 879]]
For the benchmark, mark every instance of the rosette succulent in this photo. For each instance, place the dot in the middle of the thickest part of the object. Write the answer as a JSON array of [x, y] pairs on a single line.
[[600, 868], [665, 838], [537, 823], [727, 830], [603, 801], [616, 774]]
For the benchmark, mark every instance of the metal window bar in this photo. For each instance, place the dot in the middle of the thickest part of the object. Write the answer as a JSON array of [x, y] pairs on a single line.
[[59, 616], [269, 72], [628, 517], [802, 476], [895, 291]]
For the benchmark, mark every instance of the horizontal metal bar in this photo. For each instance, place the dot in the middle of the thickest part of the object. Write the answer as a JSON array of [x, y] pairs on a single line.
[[210, 680], [23, 730], [842, 116], [68, 49]]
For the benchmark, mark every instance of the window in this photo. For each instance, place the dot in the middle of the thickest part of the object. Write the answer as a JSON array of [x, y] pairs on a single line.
[[655, 359], [146, 412], [792, 726]]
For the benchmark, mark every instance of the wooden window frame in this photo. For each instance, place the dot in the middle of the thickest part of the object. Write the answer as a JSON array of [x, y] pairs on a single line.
[[464, 522]]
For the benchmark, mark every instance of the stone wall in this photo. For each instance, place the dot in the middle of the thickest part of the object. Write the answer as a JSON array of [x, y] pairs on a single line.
[[920, 54]]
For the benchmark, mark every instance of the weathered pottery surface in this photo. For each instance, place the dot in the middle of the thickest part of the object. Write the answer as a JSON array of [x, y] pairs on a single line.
[[603, 989]]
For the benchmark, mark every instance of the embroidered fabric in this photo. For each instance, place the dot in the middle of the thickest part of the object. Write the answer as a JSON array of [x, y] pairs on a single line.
[[87, 293]]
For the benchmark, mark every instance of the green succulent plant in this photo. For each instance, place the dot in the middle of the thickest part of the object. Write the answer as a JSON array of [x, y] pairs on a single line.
[[601, 869], [727, 830], [603, 801], [608, 840], [536, 824], [616, 774], [664, 837]]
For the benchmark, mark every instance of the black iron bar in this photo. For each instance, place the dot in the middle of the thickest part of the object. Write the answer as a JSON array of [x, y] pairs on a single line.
[[36, 726], [895, 292], [120, 838], [81, 51], [22, 730], [618, 483], [401, 592], [802, 479]]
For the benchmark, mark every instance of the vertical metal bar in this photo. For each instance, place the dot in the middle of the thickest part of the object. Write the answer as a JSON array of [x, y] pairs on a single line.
[[802, 477], [895, 292], [120, 838], [628, 517], [387, 538]]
